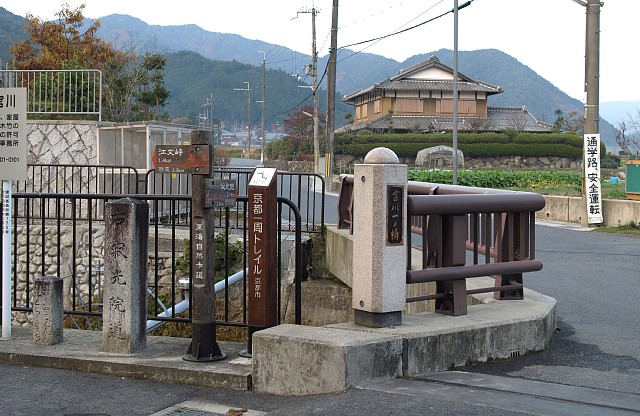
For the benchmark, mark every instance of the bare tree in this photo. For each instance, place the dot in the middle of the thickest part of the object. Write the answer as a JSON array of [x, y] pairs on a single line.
[[628, 134]]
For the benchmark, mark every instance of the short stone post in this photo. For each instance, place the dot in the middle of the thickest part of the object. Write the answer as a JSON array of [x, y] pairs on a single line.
[[125, 271], [48, 311], [379, 249]]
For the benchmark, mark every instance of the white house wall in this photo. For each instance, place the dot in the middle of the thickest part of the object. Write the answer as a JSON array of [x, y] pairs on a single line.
[[432, 74]]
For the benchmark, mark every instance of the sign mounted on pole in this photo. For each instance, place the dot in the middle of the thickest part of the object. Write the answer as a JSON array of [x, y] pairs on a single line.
[[13, 134], [191, 159], [220, 193], [592, 178]]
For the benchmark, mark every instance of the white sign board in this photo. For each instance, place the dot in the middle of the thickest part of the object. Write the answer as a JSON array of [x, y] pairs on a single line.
[[13, 134], [262, 177], [592, 178]]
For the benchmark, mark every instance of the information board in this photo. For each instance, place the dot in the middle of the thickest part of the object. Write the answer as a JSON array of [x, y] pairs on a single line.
[[13, 134], [632, 185]]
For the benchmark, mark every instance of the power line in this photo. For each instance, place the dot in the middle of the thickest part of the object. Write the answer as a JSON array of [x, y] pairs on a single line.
[[404, 30]]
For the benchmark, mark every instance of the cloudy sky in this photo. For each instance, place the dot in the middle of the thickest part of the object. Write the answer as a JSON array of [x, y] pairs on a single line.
[[546, 35]]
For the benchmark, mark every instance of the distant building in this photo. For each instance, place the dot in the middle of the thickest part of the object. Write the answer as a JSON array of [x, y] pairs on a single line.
[[420, 99]]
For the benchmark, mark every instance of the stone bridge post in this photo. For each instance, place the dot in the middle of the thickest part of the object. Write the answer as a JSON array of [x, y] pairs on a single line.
[[379, 240]]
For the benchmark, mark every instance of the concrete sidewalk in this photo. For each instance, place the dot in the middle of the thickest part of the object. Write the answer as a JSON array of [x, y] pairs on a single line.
[[312, 360], [160, 361]]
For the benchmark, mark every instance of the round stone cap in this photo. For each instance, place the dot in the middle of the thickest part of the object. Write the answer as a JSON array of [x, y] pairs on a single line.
[[382, 156]]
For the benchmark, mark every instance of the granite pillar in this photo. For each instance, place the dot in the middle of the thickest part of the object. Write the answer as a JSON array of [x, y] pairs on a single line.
[[126, 255], [379, 249]]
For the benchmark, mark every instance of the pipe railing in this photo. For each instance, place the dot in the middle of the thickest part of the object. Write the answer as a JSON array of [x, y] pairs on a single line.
[[464, 232]]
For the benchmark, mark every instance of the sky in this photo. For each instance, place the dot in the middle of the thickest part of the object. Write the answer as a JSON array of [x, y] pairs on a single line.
[[546, 35]]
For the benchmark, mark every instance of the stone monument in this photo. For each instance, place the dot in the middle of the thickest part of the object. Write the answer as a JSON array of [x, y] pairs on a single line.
[[125, 288], [48, 311]]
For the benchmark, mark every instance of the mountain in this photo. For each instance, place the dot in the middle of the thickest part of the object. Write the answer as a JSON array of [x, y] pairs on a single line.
[[356, 70], [618, 111], [11, 31], [192, 78]]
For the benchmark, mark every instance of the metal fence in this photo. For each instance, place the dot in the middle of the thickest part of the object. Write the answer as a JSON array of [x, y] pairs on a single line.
[[456, 225], [305, 190], [71, 91], [73, 248], [58, 229]]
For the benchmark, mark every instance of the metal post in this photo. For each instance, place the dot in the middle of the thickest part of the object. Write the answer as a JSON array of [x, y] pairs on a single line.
[[264, 82], [6, 259], [314, 75]]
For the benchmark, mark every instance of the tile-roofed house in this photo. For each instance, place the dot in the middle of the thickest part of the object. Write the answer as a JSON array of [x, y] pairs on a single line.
[[420, 98]]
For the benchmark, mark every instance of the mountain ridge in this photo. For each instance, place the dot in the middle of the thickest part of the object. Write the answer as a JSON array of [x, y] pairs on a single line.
[[356, 70]]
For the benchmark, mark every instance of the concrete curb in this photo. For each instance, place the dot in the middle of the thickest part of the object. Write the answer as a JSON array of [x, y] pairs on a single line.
[[331, 359]]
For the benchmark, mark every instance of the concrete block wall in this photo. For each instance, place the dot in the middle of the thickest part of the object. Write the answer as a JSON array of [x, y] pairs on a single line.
[[573, 209]]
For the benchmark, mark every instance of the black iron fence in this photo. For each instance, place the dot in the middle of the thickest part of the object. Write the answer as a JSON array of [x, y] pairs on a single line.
[[73, 248], [305, 190], [58, 229]]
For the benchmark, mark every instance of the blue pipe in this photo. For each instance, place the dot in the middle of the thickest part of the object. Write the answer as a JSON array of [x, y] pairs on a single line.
[[184, 305]]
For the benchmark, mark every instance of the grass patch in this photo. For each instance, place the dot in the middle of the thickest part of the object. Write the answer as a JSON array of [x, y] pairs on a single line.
[[627, 229], [560, 183]]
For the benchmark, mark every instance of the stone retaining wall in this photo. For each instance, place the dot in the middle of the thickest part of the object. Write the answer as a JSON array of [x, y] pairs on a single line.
[[62, 142], [29, 251], [516, 162]]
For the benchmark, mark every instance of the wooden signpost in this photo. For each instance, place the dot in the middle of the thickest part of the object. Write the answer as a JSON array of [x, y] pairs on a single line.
[[263, 255], [191, 159]]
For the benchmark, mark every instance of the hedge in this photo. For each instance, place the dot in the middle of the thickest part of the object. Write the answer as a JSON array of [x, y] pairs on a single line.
[[472, 145], [471, 150]]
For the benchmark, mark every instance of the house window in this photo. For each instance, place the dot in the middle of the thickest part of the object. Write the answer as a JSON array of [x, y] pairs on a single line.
[[464, 106], [408, 105], [377, 106], [361, 112]]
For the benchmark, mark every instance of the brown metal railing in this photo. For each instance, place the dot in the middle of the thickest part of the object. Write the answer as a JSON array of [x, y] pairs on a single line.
[[464, 232]]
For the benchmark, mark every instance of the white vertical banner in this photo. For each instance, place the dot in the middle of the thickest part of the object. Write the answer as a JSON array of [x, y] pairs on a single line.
[[13, 166], [592, 178]]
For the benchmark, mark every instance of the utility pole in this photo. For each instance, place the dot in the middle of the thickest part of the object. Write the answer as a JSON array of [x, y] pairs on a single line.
[[213, 135], [592, 65], [592, 68], [331, 95], [248, 90], [264, 80], [314, 75], [455, 92]]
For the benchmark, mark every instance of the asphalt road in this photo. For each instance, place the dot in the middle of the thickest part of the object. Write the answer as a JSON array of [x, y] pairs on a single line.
[[595, 278]]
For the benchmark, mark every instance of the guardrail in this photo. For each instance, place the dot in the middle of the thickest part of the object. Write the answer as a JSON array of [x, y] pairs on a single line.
[[457, 225]]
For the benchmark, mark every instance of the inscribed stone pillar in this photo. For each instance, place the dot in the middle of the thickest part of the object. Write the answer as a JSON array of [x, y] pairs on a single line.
[[126, 255], [48, 310], [379, 249]]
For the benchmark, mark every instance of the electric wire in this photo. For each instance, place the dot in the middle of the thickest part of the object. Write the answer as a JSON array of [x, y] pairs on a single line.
[[397, 32]]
